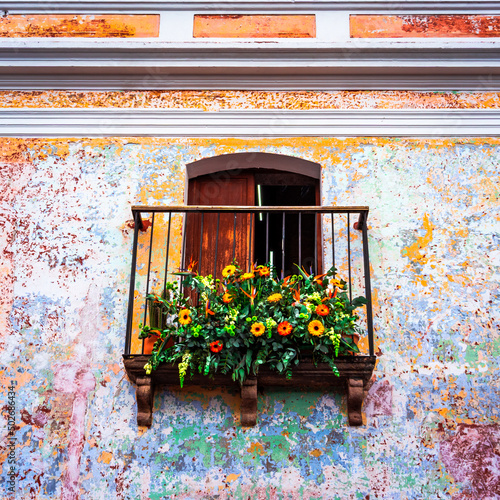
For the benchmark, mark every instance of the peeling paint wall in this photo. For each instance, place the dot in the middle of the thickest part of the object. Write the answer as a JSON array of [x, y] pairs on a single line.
[[216, 100], [426, 26], [254, 26], [432, 410], [61, 25]]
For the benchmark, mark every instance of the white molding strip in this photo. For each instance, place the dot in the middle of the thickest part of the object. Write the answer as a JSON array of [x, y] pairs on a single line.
[[193, 123], [221, 6], [486, 82]]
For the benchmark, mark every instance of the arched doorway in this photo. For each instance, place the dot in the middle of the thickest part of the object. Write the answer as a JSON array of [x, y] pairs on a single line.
[[253, 179]]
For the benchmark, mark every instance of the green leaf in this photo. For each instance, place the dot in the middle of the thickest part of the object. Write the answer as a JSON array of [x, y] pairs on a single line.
[[249, 360]]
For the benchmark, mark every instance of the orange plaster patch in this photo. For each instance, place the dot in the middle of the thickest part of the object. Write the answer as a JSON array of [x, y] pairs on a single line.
[[254, 26], [256, 448], [86, 26], [232, 477], [105, 457], [424, 26], [115, 368], [316, 453], [413, 251]]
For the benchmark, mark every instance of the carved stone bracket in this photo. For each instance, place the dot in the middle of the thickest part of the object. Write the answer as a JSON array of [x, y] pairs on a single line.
[[249, 402], [355, 372], [144, 393], [355, 397]]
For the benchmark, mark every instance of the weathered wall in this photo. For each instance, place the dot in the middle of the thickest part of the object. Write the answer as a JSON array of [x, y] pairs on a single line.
[[433, 407]]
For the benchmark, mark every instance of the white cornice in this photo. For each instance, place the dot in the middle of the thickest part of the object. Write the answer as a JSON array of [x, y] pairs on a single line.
[[193, 123], [40, 57], [98, 6]]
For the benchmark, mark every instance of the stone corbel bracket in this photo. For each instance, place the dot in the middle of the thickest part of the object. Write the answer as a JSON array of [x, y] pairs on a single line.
[[355, 372]]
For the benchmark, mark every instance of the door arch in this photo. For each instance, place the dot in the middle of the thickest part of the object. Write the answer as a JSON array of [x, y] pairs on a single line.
[[253, 179]]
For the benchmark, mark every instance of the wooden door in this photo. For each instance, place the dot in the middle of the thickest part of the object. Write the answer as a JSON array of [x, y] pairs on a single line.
[[215, 241]]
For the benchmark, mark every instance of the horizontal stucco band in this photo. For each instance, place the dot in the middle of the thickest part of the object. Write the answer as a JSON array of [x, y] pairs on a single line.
[[257, 123]]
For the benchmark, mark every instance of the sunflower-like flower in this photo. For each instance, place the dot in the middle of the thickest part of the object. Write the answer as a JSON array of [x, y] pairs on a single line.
[[322, 310], [285, 328], [316, 328], [227, 298], [257, 329], [264, 271], [275, 297], [216, 346], [247, 276], [228, 271], [185, 317]]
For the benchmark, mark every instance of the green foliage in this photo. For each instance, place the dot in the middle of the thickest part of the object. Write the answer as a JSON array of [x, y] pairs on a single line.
[[250, 319]]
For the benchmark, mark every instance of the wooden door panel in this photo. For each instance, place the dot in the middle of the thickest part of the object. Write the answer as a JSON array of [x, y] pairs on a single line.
[[223, 238]]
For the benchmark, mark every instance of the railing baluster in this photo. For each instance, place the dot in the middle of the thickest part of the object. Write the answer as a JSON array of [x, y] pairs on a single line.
[[283, 246], [300, 239], [131, 291], [200, 253], [216, 246], [166, 257], [268, 257], [183, 256], [250, 243], [234, 238], [333, 244], [368, 288], [149, 270], [349, 254], [316, 223]]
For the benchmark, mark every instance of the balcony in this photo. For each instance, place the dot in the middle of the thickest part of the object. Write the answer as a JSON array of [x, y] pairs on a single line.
[[169, 239]]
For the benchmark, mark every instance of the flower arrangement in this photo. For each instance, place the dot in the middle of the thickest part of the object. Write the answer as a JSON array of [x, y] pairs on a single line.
[[251, 318]]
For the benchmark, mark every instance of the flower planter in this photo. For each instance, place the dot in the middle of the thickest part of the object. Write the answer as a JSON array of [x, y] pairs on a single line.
[[355, 372]]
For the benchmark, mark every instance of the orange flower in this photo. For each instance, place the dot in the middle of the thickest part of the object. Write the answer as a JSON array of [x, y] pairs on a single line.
[[227, 298], [316, 328], [319, 279], [275, 297], [208, 310], [247, 276], [257, 329], [264, 271], [191, 265], [216, 346], [185, 317], [322, 310], [337, 283], [285, 328]]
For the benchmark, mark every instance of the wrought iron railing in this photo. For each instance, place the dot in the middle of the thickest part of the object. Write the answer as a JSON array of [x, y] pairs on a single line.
[[169, 239]]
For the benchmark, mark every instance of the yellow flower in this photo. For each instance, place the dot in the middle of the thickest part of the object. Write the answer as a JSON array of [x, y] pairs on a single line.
[[185, 317], [275, 297], [257, 329], [316, 328], [247, 276], [228, 271]]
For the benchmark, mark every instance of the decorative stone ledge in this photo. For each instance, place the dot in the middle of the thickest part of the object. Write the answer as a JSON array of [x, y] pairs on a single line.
[[355, 372]]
